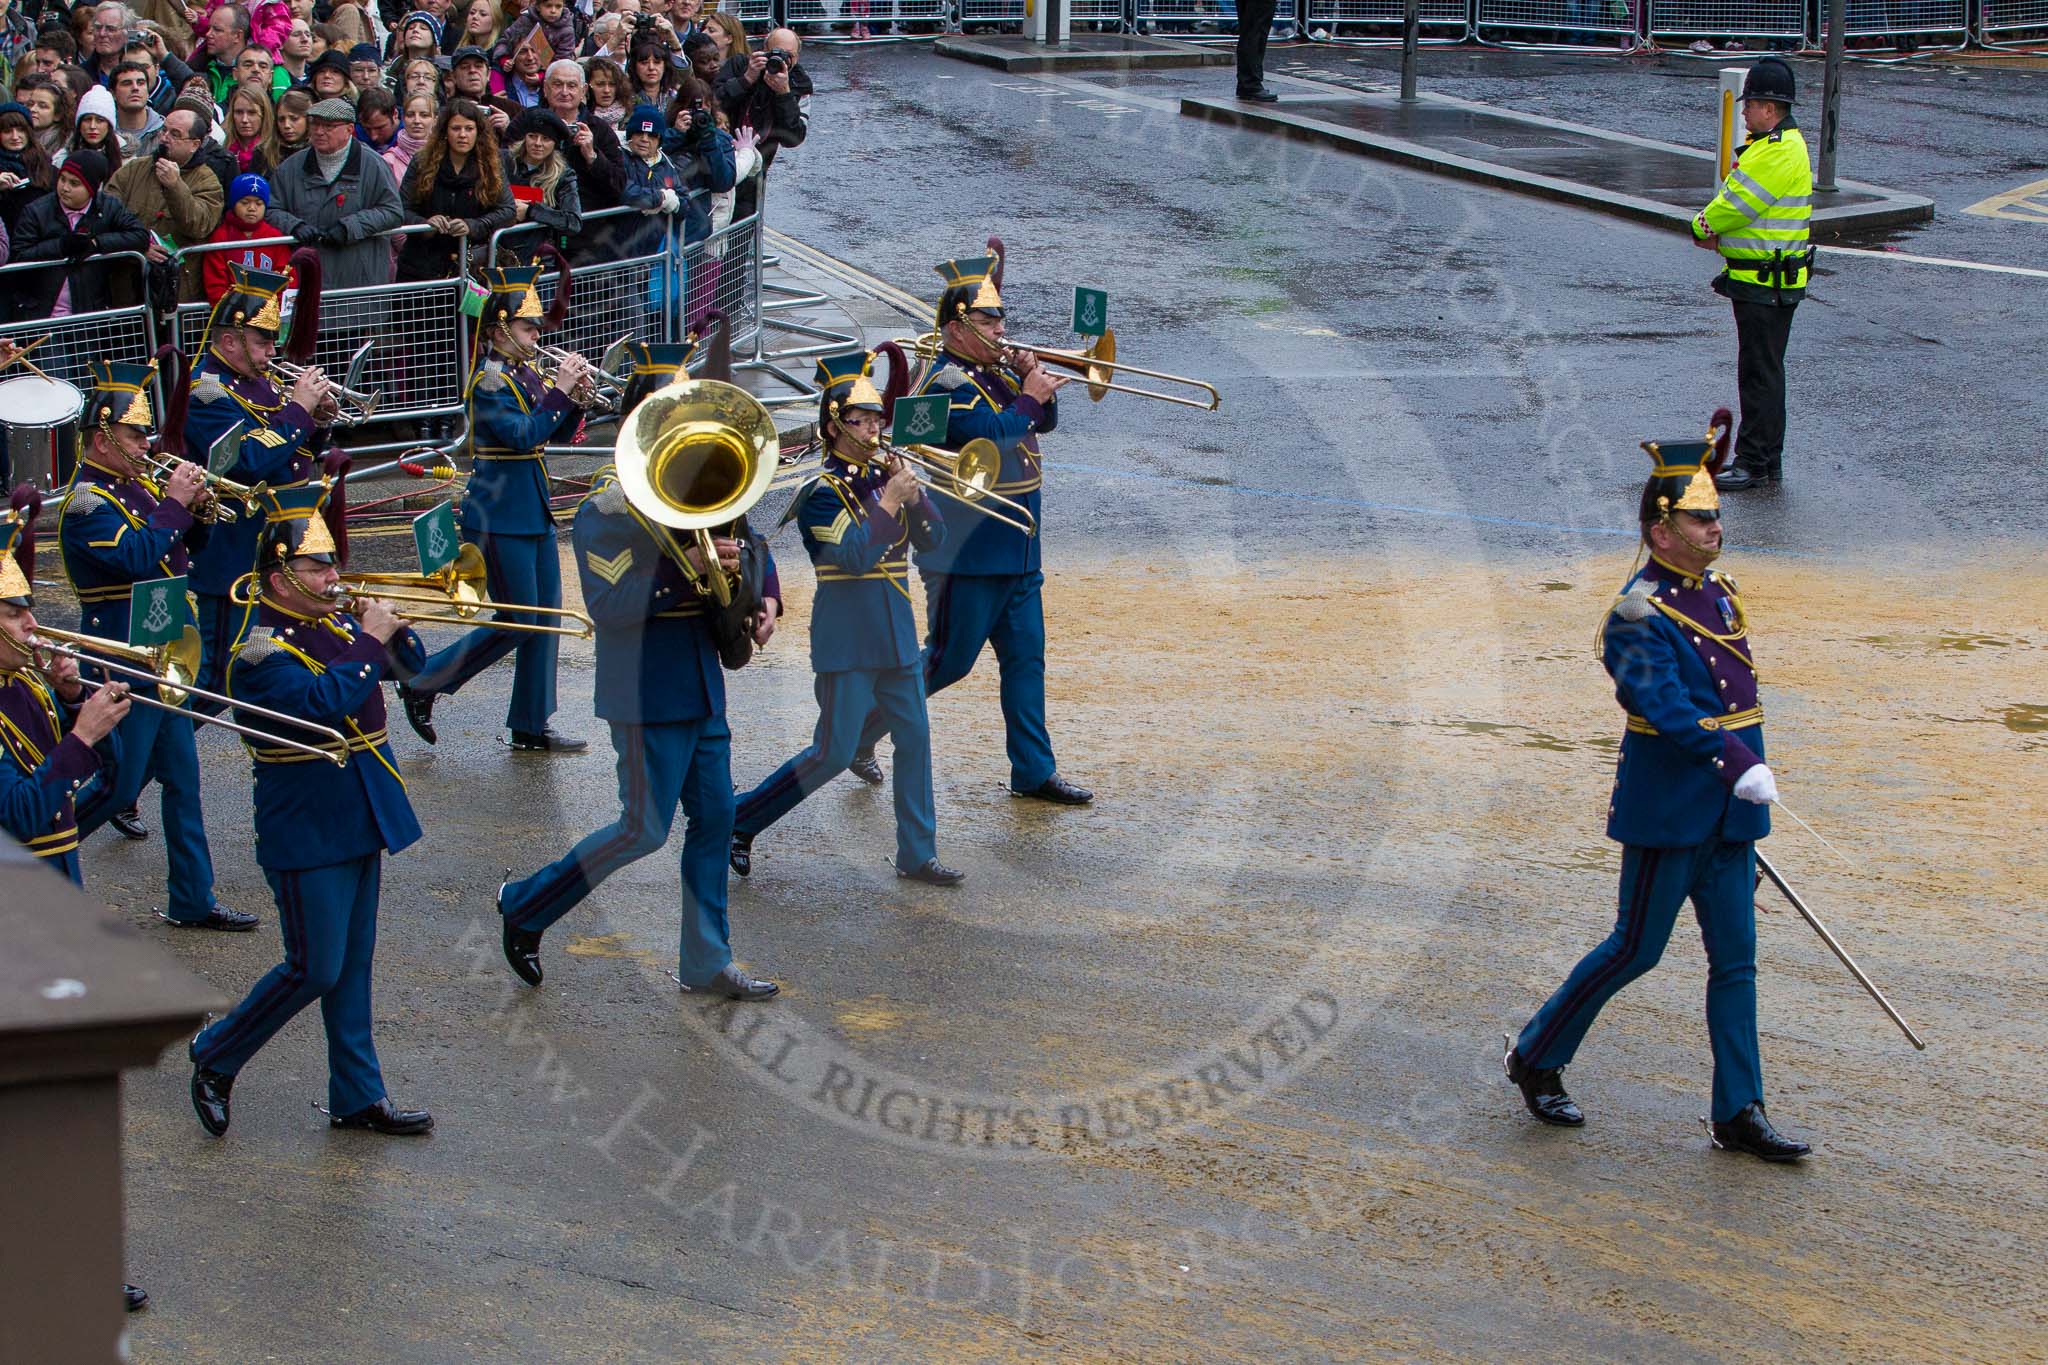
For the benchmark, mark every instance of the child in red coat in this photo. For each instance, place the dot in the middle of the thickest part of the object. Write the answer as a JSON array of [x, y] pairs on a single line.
[[249, 200]]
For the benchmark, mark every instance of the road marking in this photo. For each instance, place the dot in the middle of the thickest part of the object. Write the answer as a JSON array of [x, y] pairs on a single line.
[[2028, 203], [1829, 252]]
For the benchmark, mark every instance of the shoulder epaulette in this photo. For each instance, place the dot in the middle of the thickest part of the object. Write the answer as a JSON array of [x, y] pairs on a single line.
[[84, 499], [255, 647], [608, 498], [1634, 605], [947, 377], [207, 388], [490, 381]]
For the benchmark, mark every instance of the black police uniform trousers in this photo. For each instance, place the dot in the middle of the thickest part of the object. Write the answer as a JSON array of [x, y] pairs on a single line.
[[1761, 333], [1254, 22]]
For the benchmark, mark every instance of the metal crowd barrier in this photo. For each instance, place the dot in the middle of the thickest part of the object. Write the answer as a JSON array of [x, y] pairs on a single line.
[[1556, 23], [2004, 23], [77, 339], [1685, 20], [807, 14], [1438, 21], [1911, 19]]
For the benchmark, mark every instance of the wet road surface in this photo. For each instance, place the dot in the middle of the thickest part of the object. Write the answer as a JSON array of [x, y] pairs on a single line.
[[1210, 1070]]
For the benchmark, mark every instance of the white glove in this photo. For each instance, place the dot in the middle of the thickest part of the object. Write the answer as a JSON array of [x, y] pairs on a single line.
[[670, 202], [1757, 785]]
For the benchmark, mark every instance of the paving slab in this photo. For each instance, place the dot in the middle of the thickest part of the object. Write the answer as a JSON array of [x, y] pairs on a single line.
[[1086, 52], [1632, 177]]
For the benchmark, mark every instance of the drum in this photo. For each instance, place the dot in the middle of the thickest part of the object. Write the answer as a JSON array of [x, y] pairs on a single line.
[[41, 418]]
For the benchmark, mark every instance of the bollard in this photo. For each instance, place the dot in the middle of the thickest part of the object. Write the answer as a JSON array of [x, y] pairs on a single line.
[[1731, 108]]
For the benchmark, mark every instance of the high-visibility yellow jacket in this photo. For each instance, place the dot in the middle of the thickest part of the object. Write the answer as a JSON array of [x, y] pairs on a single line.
[[1761, 217]]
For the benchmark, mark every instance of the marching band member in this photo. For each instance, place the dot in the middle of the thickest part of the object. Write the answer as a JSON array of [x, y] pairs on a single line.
[[859, 519], [1691, 797], [281, 436], [48, 727], [983, 585], [118, 527], [513, 415], [321, 830], [661, 688]]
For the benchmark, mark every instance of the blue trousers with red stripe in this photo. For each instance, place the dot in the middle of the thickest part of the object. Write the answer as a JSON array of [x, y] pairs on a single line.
[[1006, 612], [1720, 880], [686, 763], [845, 699], [328, 917], [522, 569]]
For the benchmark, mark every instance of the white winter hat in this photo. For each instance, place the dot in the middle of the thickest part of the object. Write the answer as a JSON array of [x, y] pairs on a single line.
[[97, 101]]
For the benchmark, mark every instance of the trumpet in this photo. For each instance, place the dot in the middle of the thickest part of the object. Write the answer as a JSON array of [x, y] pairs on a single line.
[[601, 390], [222, 493], [353, 407], [170, 668]]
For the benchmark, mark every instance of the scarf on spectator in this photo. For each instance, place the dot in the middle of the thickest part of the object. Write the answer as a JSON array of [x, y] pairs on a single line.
[[330, 166], [12, 164], [245, 152]]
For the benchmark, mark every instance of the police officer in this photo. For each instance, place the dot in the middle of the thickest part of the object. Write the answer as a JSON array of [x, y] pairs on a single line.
[[513, 415], [321, 830], [48, 724], [661, 688], [120, 527], [983, 585], [281, 433], [1691, 796], [1759, 224], [859, 519]]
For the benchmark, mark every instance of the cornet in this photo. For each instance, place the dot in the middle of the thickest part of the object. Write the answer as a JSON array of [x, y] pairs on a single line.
[[353, 407], [222, 492], [601, 389]]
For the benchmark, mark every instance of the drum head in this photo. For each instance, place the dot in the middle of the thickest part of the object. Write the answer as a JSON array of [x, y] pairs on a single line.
[[31, 400]]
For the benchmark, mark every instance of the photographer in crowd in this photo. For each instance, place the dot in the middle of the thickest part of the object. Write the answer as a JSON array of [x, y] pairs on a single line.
[[768, 91]]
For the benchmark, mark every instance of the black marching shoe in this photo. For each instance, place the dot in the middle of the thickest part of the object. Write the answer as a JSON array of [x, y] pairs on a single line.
[[220, 917], [742, 855], [128, 824], [932, 872], [733, 984], [419, 712], [1749, 1131], [1059, 791], [547, 742], [381, 1117], [134, 1297], [210, 1098], [1740, 478], [866, 769], [522, 950], [1265, 94], [1542, 1091]]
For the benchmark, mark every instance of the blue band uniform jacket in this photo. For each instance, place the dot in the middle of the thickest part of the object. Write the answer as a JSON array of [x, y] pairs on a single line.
[[861, 617], [657, 662], [985, 405], [309, 813], [278, 447], [41, 767], [113, 533], [513, 413], [1678, 649]]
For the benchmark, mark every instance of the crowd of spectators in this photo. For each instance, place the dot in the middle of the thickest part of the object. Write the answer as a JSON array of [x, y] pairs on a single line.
[[159, 127]]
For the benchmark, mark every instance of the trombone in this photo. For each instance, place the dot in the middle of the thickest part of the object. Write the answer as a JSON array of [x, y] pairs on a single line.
[[458, 589], [353, 407], [1098, 365], [967, 475], [223, 491], [171, 667]]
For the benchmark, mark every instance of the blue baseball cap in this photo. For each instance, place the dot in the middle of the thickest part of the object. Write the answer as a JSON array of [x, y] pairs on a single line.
[[644, 119]]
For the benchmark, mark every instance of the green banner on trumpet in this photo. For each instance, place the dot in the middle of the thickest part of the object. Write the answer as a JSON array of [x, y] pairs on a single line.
[[1091, 311], [921, 421], [433, 535], [156, 612]]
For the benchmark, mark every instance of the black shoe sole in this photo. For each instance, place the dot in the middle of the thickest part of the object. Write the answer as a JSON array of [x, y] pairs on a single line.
[[209, 924]]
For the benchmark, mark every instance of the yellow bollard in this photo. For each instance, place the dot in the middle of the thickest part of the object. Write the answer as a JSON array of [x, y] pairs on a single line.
[[1731, 100]]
